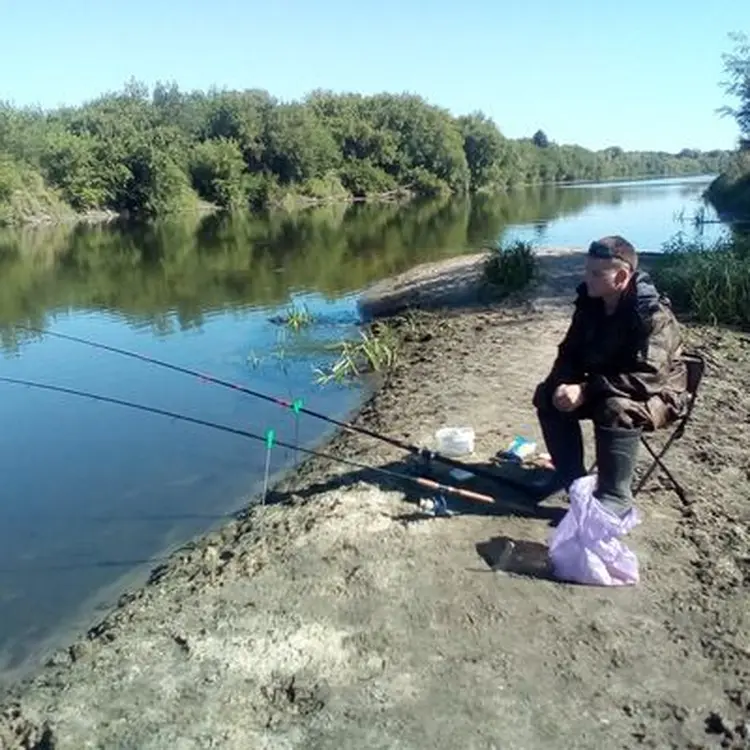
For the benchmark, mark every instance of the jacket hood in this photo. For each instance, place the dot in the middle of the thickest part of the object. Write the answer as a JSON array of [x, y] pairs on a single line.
[[647, 297]]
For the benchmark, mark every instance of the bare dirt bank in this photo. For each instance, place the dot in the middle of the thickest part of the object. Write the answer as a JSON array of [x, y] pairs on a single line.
[[339, 618]]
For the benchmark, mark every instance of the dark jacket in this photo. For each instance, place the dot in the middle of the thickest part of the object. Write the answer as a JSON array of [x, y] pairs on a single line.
[[634, 353]]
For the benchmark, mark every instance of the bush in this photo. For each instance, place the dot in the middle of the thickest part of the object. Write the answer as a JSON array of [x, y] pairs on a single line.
[[362, 178], [426, 184], [70, 163], [9, 179], [25, 198], [510, 269], [328, 187], [710, 284], [729, 193], [217, 170], [157, 185], [261, 189]]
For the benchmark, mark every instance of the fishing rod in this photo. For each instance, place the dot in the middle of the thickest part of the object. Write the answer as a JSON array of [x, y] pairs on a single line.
[[422, 481], [424, 453]]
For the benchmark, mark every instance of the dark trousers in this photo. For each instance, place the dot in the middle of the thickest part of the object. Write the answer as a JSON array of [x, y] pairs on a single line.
[[562, 430]]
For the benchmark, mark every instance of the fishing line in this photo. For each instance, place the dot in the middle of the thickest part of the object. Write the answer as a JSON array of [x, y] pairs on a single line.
[[422, 481], [424, 453]]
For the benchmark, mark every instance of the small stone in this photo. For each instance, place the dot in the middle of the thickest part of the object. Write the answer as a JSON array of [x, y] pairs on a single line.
[[58, 659], [79, 650], [680, 713], [126, 599], [182, 642], [735, 695]]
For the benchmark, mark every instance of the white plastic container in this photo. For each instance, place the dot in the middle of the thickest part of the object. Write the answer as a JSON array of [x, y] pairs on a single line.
[[455, 441]]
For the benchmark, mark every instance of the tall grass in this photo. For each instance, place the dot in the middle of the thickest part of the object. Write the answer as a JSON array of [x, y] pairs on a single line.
[[510, 269], [376, 350], [298, 318], [507, 270], [710, 283]]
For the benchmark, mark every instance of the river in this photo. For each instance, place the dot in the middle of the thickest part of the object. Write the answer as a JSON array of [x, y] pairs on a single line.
[[95, 494]]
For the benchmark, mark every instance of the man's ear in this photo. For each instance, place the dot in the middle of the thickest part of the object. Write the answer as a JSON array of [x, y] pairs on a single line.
[[622, 277]]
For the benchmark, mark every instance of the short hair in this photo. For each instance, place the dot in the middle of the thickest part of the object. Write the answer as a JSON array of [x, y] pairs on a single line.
[[615, 247]]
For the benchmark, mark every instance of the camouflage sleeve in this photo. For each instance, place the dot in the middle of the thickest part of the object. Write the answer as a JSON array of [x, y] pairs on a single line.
[[658, 345]]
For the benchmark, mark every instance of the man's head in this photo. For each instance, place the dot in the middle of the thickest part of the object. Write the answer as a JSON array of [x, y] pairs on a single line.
[[610, 265]]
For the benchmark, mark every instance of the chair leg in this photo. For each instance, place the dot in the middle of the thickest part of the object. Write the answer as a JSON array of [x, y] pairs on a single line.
[[657, 458], [677, 487], [657, 462]]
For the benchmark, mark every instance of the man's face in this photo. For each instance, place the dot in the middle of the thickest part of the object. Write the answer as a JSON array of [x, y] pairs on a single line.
[[605, 277]]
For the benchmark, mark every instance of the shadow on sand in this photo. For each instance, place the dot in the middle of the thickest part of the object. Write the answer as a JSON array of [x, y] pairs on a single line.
[[501, 554], [516, 556], [508, 499]]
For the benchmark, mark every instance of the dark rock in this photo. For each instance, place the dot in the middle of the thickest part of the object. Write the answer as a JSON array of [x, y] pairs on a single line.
[[182, 642], [715, 724], [79, 650]]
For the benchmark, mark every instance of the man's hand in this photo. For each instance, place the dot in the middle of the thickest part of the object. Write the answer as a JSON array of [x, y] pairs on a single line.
[[568, 397]]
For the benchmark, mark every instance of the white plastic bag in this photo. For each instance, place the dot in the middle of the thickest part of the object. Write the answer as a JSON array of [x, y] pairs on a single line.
[[585, 547], [455, 441]]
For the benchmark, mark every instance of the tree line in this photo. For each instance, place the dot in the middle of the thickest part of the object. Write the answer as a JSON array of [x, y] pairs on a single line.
[[150, 152]]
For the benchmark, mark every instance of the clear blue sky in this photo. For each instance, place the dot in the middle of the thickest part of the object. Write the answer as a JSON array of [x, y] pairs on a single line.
[[642, 74]]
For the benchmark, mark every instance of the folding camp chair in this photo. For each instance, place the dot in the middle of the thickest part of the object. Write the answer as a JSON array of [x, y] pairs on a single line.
[[696, 367]]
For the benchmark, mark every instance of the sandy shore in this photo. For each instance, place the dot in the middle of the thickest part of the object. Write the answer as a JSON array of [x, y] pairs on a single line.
[[342, 618]]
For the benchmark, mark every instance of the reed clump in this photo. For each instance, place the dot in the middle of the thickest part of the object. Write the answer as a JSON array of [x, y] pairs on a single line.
[[709, 283]]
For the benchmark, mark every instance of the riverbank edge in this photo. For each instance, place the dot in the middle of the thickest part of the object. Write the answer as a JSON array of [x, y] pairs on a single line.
[[290, 203], [293, 202], [98, 217]]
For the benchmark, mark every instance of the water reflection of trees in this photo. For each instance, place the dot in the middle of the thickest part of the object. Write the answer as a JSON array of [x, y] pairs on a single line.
[[151, 273]]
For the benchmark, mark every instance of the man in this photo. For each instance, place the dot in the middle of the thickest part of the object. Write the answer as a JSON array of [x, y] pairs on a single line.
[[618, 365]]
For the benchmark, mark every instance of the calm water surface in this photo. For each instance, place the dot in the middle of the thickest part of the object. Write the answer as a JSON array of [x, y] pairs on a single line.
[[94, 492]]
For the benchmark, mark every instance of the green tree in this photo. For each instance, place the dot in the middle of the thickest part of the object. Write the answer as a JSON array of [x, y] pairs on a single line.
[[71, 162], [484, 147], [156, 186], [298, 147], [218, 172], [737, 68], [240, 116], [540, 139]]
